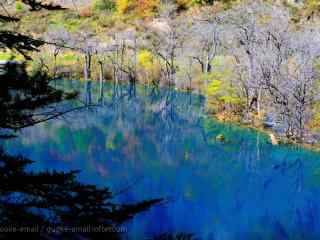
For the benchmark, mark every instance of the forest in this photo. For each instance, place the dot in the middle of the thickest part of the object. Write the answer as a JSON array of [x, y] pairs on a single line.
[[127, 88], [255, 61]]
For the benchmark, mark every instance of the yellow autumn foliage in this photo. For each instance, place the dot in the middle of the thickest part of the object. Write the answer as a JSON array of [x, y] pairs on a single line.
[[220, 89], [145, 59], [123, 6], [140, 8]]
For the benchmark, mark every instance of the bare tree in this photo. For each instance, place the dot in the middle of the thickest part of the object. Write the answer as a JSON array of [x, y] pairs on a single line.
[[61, 39], [205, 40], [167, 43], [291, 79]]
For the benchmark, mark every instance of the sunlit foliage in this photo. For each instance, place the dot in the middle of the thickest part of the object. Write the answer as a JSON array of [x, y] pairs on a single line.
[[145, 59], [103, 5], [123, 6], [140, 8], [221, 89]]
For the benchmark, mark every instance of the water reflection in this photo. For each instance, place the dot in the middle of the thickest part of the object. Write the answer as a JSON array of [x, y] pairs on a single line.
[[88, 97], [54, 205], [162, 141]]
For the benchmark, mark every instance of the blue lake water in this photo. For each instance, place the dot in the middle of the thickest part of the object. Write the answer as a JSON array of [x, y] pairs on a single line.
[[162, 144]]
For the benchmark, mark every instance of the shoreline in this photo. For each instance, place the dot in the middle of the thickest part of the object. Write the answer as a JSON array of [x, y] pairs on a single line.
[[281, 141], [278, 140]]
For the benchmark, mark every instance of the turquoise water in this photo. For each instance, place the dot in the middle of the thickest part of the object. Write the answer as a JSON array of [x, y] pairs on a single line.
[[162, 144]]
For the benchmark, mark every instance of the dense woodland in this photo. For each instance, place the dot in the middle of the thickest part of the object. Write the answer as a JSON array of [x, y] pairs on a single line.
[[255, 61]]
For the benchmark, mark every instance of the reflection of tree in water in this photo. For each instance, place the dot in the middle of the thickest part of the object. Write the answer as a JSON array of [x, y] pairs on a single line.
[[55, 199], [48, 199], [292, 169]]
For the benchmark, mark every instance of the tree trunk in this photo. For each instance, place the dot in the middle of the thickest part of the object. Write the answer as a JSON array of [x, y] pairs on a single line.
[[259, 102], [206, 71], [87, 66], [101, 81], [87, 76]]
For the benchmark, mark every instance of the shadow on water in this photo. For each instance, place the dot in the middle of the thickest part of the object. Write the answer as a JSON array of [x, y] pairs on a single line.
[[239, 188]]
